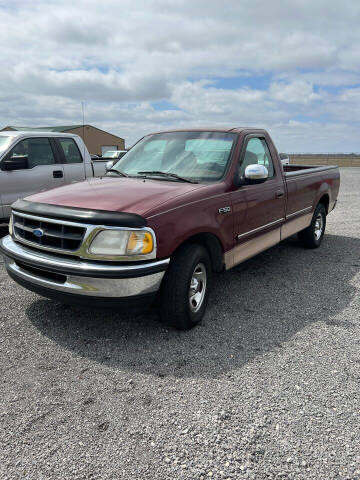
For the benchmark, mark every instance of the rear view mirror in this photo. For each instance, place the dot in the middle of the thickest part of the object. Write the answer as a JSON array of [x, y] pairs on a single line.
[[16, 162], [256, 174]]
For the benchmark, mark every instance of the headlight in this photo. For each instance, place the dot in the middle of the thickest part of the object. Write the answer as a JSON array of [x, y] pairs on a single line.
[[140, 243], [122, 243]]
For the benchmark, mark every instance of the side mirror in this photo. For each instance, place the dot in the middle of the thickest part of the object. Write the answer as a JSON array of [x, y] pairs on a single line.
[[109, 165], [16, 162], [256, 174]]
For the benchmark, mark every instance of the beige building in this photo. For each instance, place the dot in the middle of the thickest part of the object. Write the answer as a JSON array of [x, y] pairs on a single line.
[[97, 141]]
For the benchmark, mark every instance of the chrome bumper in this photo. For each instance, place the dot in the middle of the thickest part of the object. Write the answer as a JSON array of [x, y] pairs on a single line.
[[70, 276]]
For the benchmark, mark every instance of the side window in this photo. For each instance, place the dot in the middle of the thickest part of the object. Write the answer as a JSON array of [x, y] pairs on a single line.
[[20, 149], [70, 150], [257, 152], [38, 151]]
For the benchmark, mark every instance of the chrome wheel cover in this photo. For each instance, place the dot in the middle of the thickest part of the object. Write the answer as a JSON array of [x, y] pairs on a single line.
[[319, 226], [197, 287]]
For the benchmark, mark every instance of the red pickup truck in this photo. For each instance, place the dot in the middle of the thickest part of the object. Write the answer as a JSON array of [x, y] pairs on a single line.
[[177, 207]]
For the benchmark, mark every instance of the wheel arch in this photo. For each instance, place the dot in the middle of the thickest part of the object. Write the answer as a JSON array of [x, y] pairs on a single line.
[[212, 244], [325, 200]]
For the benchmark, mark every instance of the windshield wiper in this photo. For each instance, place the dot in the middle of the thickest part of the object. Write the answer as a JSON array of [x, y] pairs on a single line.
[[167, 174], [119, 172]]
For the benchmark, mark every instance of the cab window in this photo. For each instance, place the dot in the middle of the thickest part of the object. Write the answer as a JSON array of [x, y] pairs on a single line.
[[38, 151], [70, 150], [257, 152]]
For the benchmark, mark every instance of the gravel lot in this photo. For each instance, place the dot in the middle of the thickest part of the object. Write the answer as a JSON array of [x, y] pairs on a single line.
[[266, 388]]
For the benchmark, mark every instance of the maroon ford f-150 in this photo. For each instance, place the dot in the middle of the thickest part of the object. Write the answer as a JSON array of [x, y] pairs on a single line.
[[177, 207]]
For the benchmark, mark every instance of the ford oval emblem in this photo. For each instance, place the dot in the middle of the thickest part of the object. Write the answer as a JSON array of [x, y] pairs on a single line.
[[38, 232]]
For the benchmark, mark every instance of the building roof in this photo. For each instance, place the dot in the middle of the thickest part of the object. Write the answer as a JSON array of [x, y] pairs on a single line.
[[35, 133], [45, 129], [56, 129]]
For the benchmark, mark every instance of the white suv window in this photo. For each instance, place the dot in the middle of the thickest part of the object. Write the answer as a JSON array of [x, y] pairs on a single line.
[[70, 150], [38, 151]]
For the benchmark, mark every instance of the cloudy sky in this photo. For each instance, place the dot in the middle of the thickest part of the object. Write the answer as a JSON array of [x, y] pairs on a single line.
[[290, 66]]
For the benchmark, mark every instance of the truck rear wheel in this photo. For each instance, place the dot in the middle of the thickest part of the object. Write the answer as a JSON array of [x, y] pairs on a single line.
[[312, 236], [185, 288]]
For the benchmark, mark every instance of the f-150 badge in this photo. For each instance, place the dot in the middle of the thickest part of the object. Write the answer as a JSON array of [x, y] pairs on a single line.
[[224, 210]]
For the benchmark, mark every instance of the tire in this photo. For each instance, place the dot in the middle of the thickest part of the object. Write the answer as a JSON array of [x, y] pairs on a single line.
[[312, 236], [190, 267]]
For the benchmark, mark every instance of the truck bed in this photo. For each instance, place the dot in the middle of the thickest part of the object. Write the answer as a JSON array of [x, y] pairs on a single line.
[[292, 170], [304, 182]]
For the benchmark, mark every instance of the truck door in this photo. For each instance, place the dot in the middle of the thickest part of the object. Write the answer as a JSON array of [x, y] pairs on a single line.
[[260, 206], [41, 174], [71, 159]]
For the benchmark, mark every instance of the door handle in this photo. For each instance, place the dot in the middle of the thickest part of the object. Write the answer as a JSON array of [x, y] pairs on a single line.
[[58, 174], [279, 194]]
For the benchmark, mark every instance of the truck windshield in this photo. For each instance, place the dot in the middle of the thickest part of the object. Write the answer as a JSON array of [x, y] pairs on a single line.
[[197, 156], [5, 143]]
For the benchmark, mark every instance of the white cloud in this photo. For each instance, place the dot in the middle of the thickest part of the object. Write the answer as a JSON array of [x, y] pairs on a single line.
[[298, 92], [199, 97], [122, 56]]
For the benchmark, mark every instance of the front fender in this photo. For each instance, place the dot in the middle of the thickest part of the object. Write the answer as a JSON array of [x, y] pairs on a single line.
[[174, 228]]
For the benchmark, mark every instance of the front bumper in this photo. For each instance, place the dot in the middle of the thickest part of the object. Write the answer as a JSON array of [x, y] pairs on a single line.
[[77, 281]]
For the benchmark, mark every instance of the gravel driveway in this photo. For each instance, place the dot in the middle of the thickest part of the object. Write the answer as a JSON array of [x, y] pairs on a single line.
[[267, 387]]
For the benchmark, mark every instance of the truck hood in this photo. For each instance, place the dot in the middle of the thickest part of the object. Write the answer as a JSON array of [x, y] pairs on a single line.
[[133, 195]]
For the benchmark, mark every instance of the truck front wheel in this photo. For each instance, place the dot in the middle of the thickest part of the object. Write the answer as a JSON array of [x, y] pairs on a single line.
[[185, 288], [312, 236]]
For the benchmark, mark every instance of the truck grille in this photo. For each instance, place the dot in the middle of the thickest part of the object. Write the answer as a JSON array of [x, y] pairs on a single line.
[[54, 235]]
